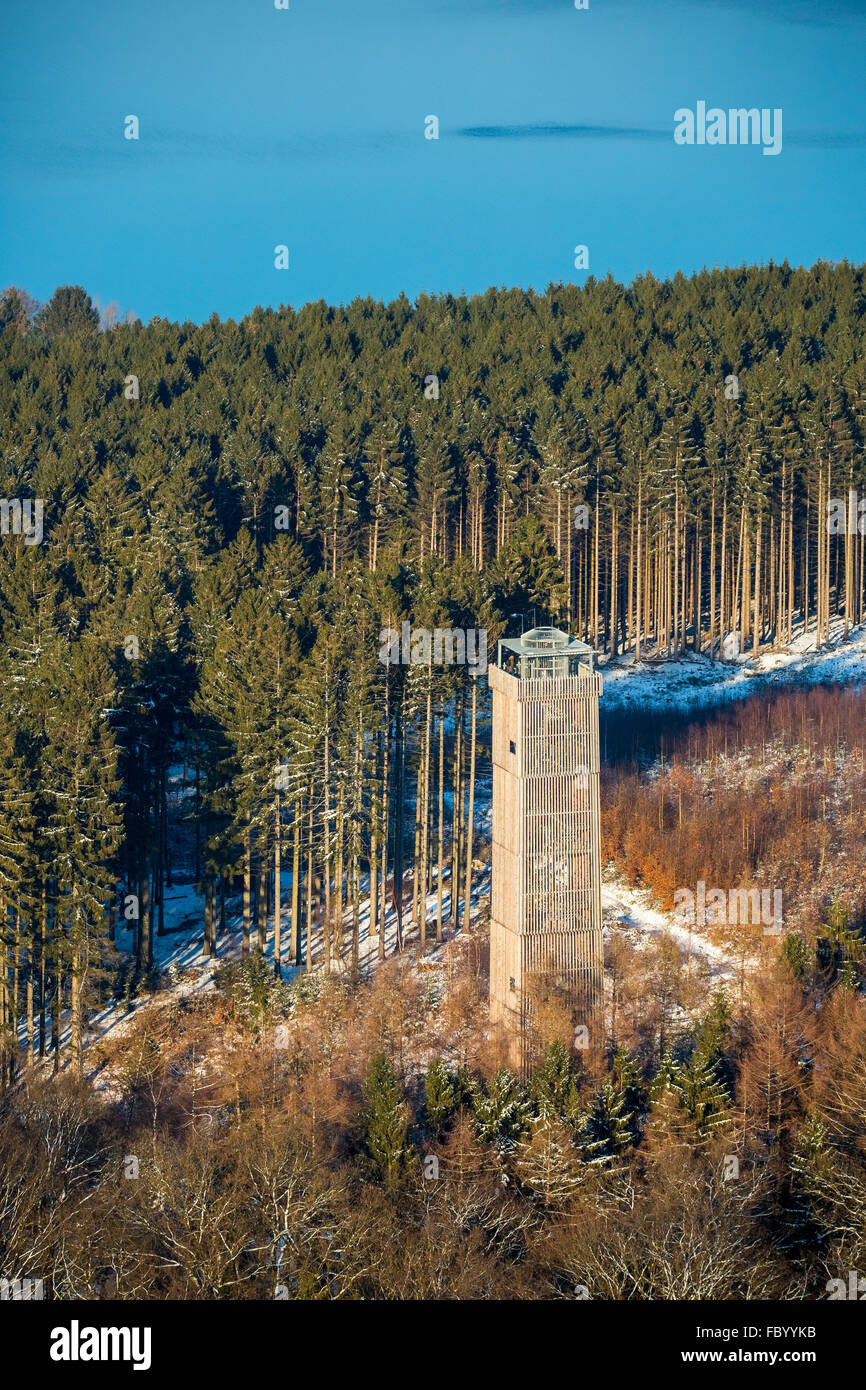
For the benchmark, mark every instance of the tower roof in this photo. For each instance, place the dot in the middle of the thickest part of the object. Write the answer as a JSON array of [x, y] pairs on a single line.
[[547, 639], [543, 652]]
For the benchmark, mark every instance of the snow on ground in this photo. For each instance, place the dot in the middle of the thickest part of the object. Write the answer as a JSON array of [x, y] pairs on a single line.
[[633, 911], [694, 681], [186, 971]]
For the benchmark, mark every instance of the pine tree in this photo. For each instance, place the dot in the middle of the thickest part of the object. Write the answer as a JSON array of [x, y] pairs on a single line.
[[526, 577], [663, 1082], [338, 498], [83, 822], [434, 485], [21, 855], [828, 1198], [386, 485], [626, 1080], [502, 1110], [69, 311], [385, 1124], [440, 1096], [554, 1085], [608, 1129], [841, 952], [702, 1094], [715, 1027], [547, 1163], [244, 694]]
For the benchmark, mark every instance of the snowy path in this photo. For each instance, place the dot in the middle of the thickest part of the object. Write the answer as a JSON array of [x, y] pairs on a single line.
[[631, 910]]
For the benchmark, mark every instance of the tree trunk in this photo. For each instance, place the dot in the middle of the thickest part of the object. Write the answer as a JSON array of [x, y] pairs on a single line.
[[440, 838], [470, 816], [756, 639], [310, 889], [295, 937], [456, 810], [278, 877], [245, 944]]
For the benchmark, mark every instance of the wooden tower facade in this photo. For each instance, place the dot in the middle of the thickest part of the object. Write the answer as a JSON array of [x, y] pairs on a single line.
[[546, 942]]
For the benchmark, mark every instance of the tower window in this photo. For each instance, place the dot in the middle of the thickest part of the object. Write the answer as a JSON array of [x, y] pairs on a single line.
[[512, 746]]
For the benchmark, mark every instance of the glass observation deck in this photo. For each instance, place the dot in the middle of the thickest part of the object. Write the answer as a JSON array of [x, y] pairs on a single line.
[[544, 653]]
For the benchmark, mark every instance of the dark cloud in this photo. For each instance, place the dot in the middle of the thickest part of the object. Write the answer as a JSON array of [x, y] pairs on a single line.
[[815, 139], [562, 132], [163, 148], [828, 139]]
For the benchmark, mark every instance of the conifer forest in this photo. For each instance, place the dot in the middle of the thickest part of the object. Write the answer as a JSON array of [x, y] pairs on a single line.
[[245, 833]]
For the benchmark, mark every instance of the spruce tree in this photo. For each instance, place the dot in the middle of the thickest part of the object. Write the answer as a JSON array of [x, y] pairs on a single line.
[[385, 1121], [83, 822], [547, 1164], [502, 1110], [440, 1096], [608, 1130], [554, 1085], [702, 1094]]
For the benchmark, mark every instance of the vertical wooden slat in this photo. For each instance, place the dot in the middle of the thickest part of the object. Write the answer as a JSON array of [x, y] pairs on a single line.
[[546, 871]]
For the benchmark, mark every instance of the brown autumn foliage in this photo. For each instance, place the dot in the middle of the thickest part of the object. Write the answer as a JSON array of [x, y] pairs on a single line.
[[769, 794], [252, 1176]]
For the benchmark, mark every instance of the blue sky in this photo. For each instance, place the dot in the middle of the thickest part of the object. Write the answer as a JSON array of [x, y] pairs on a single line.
[[306, 127]]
